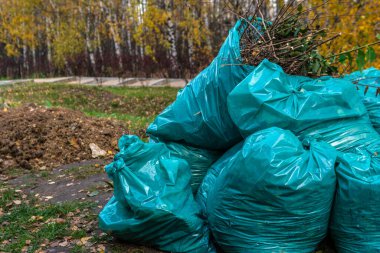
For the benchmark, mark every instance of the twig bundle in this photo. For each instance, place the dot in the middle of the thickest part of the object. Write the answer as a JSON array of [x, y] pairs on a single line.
[[290, 40]]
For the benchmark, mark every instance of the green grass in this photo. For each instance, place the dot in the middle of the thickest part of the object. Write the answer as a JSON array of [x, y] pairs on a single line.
[[20, 225], [143, 92], [136, 106], [82, 172]]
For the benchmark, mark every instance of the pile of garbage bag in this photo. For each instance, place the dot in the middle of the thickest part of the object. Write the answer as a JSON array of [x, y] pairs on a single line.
[[251, 159], [199, 116], [367, 83], [153, 203]]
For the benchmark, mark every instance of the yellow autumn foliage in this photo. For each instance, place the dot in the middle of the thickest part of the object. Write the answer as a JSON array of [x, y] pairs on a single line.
[[51, 35], [357, 21]]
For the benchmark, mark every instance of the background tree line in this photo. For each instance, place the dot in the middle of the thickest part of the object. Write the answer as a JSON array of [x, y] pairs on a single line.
[[162, 38]]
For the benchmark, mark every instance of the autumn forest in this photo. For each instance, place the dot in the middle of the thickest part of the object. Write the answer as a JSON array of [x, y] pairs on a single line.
[[162, 38]]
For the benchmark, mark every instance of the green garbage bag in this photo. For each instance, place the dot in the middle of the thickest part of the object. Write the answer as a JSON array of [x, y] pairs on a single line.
[[153, 203], [199, 160], [355, 221], [367, 83], [272, 195], [269, 97], [199, 116], [211, 175], [332, 110]]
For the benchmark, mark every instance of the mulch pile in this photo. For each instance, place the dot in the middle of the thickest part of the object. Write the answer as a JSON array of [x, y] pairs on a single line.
[[34, 137]]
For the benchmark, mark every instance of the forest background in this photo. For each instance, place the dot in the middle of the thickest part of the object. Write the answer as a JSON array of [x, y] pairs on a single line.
[[145, 38]]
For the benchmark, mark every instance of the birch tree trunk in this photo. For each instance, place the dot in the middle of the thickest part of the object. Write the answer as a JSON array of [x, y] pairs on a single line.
[[112, 22], [172, 39], [48, 43], [89, 47], [34, 58], [25, 62]]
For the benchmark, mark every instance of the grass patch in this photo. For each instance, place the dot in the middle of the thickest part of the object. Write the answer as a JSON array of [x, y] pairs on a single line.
[[26, 224], [135, 106], [143, 92], [15, 172], [136, 101], [83, 172]]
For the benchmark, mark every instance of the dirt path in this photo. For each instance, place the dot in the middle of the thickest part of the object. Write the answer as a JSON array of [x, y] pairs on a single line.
[[84, 182]]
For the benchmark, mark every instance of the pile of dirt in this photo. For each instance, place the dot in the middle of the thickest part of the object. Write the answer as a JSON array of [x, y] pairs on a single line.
[[34, 137]]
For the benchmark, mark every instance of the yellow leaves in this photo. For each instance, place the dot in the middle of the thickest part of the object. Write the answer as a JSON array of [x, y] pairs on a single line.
[[356, 21], [68, 43], [151, 31], [11, 50], [19, 23], [150, 51]]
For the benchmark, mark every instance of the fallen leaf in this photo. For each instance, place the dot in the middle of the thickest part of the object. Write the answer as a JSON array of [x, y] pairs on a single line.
[[93, 194], [74, 142], [28, 242], [63, 244], [101, 247], [54, 244], [4, 178], [60, 220], [85, 239], [36, 218], [17, 202]]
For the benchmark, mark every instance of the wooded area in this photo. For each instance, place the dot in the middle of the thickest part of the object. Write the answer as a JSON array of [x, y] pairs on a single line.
[[163, 38]]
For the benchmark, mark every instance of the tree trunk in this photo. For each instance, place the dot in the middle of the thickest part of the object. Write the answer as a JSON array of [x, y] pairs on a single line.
[[112, 20], [48, 44], [172, 40], [89, 47], [34, 58], [25, 60]]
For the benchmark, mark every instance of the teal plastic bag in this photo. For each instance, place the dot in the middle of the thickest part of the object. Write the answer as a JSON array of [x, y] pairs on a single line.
[[367, 83], [153, 203], [269, 97], [199, 160], [332, 110], [272, 195], [355, 221], [211, 175], [199, 116]]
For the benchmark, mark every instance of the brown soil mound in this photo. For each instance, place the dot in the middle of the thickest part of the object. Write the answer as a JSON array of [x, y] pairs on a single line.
[[34, 137]]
